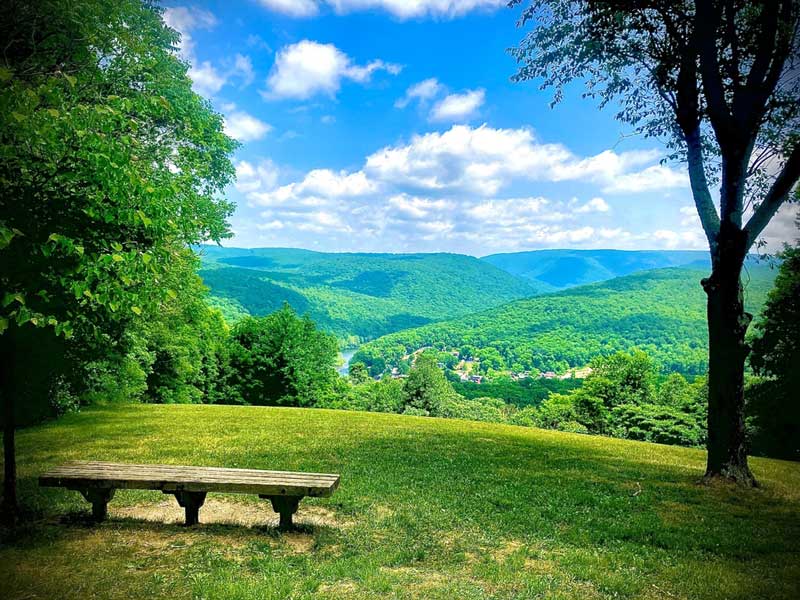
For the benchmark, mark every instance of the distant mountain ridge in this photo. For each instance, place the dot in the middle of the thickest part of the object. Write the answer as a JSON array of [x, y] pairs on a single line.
[[560, 269], [357, 296]]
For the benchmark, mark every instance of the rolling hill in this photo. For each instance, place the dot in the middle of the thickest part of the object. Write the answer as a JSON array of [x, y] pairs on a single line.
[[560, 269], [661, 311], [357, 296]]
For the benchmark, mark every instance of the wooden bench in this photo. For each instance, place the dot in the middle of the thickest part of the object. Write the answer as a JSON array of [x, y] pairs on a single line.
[[97, 482]]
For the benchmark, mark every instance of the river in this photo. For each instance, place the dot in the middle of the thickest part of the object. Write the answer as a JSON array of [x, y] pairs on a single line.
[[344, 369]]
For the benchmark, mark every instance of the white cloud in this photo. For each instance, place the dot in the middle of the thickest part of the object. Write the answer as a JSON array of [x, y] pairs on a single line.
[[254, 178], [686, 240], [483, 159], [207, 79], [402, 9], [308, 68], [291, 8], [594, 205], [689, 217], [454, 191], [458, 107], [656, 176], [245, 127], [184, 20], [328, 119], [423, 91], [318, 187], [243, 67]]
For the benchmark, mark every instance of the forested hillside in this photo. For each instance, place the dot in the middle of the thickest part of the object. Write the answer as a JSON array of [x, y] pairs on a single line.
[[356, 296], [661, 312], [560, 269]]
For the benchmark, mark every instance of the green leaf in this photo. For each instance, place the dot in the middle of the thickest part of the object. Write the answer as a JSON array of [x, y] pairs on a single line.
[[172, 294], [53, 112], [117, 258], [18, 116], [136, 310], [71, 80], [5, 75]]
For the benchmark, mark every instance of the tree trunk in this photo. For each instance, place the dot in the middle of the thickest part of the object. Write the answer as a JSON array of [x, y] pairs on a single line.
[[727, 325], [9, 507]]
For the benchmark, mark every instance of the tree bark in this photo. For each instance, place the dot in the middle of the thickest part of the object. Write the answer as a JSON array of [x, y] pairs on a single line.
[[727, 326], [10, 508]]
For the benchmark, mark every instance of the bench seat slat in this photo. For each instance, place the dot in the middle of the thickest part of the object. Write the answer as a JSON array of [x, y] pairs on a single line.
[[172, 477], [99, 466], [189, 475]]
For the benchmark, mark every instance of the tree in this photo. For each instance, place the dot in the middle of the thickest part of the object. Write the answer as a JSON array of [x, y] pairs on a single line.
[[718, 80], [282, 359], [426, 387], [358, 373], [773, 408], [110, 166]]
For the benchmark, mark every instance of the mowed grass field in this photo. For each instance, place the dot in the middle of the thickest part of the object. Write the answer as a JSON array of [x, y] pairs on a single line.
[[427, 508]]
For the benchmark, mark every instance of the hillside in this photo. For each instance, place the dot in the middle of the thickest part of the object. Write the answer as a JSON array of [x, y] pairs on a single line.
[[356, 296], [660, 311], [427, 509], [559, 269]]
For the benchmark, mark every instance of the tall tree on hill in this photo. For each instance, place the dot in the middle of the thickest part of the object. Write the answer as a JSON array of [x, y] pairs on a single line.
[[719, 80], [109, 164]]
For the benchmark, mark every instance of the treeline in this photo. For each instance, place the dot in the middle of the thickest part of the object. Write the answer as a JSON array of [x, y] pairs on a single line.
[[661, 312]]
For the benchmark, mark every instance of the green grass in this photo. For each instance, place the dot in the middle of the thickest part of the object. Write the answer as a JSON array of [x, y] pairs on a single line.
[[427, 508]]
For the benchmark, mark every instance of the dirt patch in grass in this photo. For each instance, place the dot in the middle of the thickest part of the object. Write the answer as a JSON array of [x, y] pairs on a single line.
[[337, 589], [226, 512], [417, 579]]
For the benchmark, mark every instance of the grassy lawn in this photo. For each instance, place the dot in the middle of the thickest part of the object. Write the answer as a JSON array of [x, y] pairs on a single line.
[[427, 508]]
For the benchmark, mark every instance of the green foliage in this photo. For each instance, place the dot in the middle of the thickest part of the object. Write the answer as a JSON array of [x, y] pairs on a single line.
[[620, 398], [357, 296], [109, 163], [772, 407], [661, 312], [522, 393], [357, 373], [281, 359], [426, 389], [492, 410]]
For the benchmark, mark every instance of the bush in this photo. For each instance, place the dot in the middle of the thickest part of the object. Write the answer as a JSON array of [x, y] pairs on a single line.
[[490, 410]]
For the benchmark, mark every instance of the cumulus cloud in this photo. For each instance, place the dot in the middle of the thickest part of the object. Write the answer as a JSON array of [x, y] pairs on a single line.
[[207, 78], [593, 205], [401, 9], [308, 68], [483, 159], [423, 91], [458, 107], [245, 127], [184, 20], [450, 191], [252, 178], [292, 8]]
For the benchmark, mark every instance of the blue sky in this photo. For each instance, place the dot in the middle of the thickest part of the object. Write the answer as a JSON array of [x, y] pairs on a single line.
[[393, 126]]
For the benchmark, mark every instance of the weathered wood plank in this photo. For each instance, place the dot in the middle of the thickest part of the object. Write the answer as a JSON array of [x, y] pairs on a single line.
[[81, 475]]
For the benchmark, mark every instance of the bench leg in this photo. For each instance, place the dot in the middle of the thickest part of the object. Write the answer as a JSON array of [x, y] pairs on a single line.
[[191, 503], [286, 506], [99, 497]]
